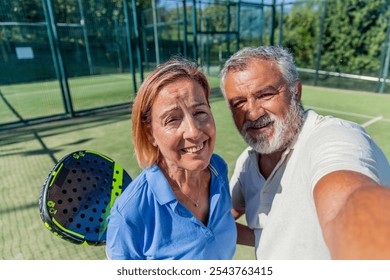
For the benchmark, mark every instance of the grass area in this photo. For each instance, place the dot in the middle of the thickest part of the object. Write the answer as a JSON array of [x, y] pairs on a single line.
[[34, 100], [28, 154], [359, 107]]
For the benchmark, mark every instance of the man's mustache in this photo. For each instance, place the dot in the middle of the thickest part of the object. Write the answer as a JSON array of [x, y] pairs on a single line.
[[259, 123]]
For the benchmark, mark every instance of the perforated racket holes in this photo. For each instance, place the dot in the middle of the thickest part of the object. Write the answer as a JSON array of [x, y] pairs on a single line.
[[87, 193]]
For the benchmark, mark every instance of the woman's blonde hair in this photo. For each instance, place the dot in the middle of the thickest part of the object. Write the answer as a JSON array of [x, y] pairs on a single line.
[[166, 73]]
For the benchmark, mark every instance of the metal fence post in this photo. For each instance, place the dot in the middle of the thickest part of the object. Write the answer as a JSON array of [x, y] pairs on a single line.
[[129, 47], [386, 61], [261, 25], [137, 40], [85, 34], [272, 27], [319, 47], [238, 10], [185, 42], [57, 58], [281, 15], [194, 31], [228, 21], [156, 46]]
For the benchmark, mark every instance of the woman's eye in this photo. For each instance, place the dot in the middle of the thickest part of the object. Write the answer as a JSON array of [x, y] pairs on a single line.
[[201, 115], [171, 120]]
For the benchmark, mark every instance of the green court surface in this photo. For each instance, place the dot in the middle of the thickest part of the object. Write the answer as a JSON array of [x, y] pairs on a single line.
[[28, 154]]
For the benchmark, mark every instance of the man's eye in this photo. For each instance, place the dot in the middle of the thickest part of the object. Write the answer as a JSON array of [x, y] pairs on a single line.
[[266, 96], [237, 104]]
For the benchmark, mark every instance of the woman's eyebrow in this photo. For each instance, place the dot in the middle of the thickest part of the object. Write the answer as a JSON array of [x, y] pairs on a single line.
[[168, 110], [198, 104], [174, 108]]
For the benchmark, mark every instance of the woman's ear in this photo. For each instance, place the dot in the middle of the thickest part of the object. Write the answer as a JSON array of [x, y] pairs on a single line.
[[149, 134]]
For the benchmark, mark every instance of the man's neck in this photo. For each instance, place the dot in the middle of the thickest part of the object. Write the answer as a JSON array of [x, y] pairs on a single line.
[[268, 162]]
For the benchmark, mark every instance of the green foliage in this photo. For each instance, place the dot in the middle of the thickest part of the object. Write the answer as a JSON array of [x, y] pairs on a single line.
[[301, 32], [354, 33], [353, 40], [216, 17]]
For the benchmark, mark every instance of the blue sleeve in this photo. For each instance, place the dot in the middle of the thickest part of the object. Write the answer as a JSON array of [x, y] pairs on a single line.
[[124, 235]]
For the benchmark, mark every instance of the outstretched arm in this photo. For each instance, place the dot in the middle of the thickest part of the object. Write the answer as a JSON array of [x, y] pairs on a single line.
[[245, 235], [354, 213]]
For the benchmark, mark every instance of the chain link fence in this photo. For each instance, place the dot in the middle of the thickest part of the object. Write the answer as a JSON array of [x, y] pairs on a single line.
[[60, 59]]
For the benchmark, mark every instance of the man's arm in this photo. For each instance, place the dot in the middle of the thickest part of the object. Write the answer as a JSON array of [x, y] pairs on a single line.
[[245, 235], [354, 213]]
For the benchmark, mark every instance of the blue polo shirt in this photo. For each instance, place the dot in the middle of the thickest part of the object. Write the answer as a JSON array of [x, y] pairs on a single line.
[[148, 222]]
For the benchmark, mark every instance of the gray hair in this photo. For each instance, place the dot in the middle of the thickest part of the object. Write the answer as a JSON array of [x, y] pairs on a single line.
[[281, 56]]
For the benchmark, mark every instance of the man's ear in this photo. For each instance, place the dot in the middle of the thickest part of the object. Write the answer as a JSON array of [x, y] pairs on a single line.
[[299, 89]]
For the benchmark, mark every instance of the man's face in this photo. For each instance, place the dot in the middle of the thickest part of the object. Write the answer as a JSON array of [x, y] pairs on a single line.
[[265, 112]]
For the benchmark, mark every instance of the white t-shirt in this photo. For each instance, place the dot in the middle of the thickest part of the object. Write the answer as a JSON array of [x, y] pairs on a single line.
[[281, 209]]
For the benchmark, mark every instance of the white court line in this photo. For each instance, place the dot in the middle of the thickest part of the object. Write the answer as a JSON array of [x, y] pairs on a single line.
[[372, 121], [342, 112]]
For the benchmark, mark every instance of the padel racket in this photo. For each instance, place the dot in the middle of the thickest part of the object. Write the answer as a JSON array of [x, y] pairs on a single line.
[[78, 194]]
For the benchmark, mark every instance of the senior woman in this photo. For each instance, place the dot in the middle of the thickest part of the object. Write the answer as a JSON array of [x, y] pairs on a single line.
[[179, 206]]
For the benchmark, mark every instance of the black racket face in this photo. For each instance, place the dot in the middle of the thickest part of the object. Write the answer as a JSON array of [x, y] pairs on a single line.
[[78, 195]]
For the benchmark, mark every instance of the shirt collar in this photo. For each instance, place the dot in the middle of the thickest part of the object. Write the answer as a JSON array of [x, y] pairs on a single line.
[[160, 186]]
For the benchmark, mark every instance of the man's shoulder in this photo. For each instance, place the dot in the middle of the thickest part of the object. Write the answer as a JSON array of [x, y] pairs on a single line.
[[316, 120], [325, 128], [247, 155]]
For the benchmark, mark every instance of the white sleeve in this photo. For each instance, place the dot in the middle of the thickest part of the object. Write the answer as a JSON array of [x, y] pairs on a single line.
[[343, 147], [238, 199]]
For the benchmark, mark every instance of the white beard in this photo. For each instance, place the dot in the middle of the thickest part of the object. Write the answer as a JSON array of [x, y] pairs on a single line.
[[285, 130]]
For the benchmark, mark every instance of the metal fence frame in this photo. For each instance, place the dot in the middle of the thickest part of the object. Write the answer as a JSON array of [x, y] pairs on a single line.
[[135, 43]]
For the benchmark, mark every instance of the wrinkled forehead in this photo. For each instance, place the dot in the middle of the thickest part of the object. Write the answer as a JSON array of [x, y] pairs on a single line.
[[183, 91], [256, 68]]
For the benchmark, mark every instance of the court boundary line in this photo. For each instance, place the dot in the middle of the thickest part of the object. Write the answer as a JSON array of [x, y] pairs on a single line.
[[372, 120]]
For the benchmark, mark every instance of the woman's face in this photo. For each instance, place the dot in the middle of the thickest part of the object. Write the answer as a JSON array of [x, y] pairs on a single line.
[[182, 126]]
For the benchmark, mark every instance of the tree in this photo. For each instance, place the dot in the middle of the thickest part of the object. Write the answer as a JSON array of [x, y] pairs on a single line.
[[301, 32], [354, 33]]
